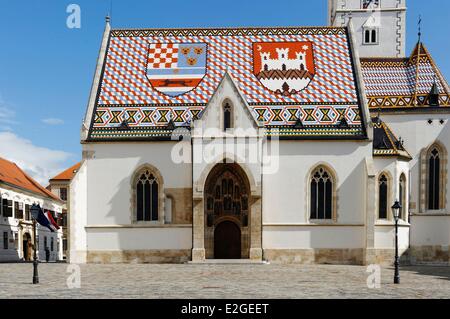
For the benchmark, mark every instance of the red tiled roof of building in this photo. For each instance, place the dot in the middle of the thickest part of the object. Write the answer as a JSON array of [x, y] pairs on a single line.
[[13, 175], [68, 174]]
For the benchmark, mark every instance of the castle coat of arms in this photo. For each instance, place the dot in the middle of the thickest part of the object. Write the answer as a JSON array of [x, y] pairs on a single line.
[[284, 67], [176, 68]]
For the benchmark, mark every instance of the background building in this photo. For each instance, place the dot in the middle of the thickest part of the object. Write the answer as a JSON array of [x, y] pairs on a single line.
[[60, 187], [18, 192]]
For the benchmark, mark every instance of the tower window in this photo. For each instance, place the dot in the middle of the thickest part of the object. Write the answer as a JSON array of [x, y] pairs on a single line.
[[370, 36], [370, 4]]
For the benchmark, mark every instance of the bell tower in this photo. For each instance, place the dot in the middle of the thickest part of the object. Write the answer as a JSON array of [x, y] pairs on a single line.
[[380, 25]]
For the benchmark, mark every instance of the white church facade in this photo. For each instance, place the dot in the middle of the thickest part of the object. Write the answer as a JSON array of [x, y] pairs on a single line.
[[243, 161]]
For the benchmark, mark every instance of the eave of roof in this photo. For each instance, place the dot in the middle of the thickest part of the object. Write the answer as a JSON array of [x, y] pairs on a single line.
[[68, 174], [13, 176], [392, 145]]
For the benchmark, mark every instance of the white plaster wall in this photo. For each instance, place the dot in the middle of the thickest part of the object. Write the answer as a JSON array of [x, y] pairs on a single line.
[[430, 231], [110, 173], [78, 215], [418, 135], [306, 237], [139, 238], [385, 237], [286, 196], [285, 192]]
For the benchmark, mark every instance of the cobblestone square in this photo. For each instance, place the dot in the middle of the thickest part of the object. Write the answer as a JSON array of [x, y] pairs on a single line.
[[221, 281]]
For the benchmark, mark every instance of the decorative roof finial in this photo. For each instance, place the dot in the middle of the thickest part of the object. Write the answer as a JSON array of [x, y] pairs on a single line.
[[419, 25], [108, 19]]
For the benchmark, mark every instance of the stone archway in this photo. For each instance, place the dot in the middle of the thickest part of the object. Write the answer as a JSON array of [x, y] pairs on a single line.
[[226, 208]]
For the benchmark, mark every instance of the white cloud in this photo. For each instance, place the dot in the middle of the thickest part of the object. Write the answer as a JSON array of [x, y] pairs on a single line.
[[40, 162], [7, 115], [53, 121]]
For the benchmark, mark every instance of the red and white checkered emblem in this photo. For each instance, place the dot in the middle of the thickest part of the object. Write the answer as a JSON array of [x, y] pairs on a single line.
[[162, 56]]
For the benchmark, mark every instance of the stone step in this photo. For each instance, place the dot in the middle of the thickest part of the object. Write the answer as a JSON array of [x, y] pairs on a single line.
[[229, 262]]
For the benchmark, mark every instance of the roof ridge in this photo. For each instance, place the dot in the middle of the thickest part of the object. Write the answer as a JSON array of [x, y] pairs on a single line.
[[228, 28], [36, 184]]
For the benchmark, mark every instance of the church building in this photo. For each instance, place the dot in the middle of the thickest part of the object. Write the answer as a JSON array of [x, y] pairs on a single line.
[[286, 145]]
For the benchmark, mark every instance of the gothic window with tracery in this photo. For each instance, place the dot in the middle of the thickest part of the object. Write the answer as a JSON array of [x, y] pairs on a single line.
[[227, 116], [383, 197], [321, 195], [434, 179], [402, 196], [147, 197], [228, 196]]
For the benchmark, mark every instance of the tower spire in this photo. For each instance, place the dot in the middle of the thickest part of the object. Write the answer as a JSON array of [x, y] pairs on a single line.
[[419, 47], [419, 26]]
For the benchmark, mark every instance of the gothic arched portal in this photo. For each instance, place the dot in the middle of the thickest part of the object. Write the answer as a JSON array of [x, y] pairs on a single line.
[[227, 210]]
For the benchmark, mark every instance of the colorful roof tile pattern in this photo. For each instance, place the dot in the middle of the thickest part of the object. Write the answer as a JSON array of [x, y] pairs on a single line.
[[154, 77], [403, 83], [385, 143]]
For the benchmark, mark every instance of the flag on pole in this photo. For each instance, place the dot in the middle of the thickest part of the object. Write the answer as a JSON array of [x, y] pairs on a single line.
[[43, 220], [53, 225]]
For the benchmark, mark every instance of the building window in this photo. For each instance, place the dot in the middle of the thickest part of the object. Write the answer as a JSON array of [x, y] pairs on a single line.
[[63, 193], [52, 244], [7, 208], [370, 36], [62, 219], [18, 208], [321, 195], [434, 179], [147, 197], [5, 240], [383, 197], [27, 212], [64, 244], [45, 242], [433, 182], [227, 116], [402, 197]]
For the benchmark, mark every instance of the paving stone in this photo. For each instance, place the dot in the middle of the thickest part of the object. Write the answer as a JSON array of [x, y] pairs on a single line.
[[221, 281]]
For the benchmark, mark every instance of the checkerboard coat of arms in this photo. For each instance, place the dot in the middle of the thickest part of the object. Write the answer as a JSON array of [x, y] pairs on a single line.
[[284, 67], [176, 68]]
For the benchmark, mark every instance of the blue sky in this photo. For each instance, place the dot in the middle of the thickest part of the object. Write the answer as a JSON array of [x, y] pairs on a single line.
[[46, 69]]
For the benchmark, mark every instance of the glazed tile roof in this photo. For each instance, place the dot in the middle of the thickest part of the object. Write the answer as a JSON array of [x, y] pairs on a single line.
[[385, 143], [393, 83], [68, 174], [11, 174], [133, 87]]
